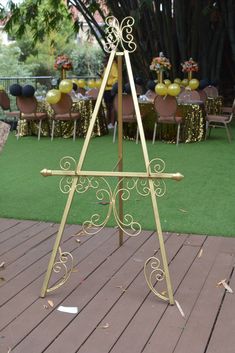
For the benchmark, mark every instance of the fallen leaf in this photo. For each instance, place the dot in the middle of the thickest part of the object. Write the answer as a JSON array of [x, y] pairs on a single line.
[[2, 265], [200, 253], [182, 210], [179, 308], [80, 233], [78, 240], [121, 287], [221, 282], [225, 285], [50, 302], [75, 269], [105, 326]]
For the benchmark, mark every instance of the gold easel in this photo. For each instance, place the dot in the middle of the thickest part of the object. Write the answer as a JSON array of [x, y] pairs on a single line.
[[79, 180]]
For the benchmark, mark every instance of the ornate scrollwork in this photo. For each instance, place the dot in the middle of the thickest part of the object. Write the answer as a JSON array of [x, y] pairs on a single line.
[[103, 194], [119, 34], [127, 224], [67, 163], [157, 165], [65, 264], [153, 273]]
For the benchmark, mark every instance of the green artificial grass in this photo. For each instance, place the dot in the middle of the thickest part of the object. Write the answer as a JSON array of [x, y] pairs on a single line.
[[202, 203]]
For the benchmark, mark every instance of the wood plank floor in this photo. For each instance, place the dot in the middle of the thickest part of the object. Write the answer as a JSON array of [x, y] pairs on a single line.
[[116, 311]]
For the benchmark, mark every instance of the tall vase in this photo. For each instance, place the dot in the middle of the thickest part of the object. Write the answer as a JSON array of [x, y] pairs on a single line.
[[160, 76], [63, 74], [190, 75]]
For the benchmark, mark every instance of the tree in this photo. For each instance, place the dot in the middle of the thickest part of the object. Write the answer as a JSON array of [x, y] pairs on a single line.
[[181, 29], [10, 65]]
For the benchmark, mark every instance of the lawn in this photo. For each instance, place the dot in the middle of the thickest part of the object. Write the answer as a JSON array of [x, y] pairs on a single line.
[[202, 203]]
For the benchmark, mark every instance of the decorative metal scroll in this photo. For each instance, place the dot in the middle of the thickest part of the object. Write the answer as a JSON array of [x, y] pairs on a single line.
[[119, 34], [150, 183], [104, 193], [63, 266]]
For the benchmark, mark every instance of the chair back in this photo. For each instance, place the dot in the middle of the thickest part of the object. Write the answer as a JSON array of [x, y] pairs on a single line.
[[211, 91], [26, 105], [188, 96], [128, 107], [4, 100], [64, 105], [165, 106]]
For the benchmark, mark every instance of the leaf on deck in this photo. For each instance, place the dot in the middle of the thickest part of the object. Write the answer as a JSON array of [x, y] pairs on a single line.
[[105, 325], [225, 285], [200, 253], [179, 308], [50, 302]]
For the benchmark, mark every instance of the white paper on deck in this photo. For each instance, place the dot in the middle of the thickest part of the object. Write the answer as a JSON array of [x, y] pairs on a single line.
[[68, 309]]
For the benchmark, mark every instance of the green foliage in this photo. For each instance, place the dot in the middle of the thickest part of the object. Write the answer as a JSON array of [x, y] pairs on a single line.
[[181, 29], [10, 64], [43, 17], [87, 60]]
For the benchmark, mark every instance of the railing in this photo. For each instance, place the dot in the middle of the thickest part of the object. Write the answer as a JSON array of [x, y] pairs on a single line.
[[35, 81], [41, 84], [46, 82]]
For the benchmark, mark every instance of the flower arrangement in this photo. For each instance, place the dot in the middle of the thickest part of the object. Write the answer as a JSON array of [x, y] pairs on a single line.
[[160, 63], [63, 62], [189, 66]]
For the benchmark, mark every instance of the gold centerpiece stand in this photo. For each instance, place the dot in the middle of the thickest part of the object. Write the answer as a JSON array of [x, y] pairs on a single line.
[[148, 183]]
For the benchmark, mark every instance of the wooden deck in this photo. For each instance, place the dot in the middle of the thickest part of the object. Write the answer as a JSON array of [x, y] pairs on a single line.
[[116, 311]]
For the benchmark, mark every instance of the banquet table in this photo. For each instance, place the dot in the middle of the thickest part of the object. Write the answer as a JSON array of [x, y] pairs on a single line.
[[65, 129], [193, 127]]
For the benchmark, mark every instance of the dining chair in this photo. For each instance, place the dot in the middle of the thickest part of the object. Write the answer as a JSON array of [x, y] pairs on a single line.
[[128, 113], [6, 106], [28, 111], [188, 96], [63, 112], [211, 91], [166, 108], [220, 121]]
